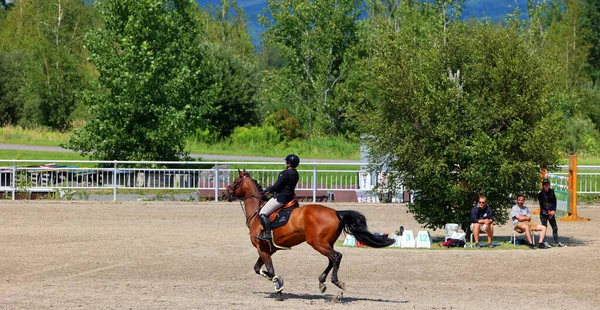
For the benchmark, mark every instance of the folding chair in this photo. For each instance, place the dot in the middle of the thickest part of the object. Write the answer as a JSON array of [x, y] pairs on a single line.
[[513, 239], [480, 233]]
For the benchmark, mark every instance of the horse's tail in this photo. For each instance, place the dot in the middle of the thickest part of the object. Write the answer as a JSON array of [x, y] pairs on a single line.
[[354, 223]]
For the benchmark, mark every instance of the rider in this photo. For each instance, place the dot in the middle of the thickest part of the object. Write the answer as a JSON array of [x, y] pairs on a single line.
[[284, 193]]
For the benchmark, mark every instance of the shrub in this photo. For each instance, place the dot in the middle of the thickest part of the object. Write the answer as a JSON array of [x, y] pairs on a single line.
[[288, 126], [263, 136]]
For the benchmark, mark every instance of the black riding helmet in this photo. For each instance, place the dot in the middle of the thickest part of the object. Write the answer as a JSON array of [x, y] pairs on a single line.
[[293, 160]]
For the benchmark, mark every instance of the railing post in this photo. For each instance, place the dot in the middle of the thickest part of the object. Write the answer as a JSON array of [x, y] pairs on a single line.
[[115, 181], [14, 179], [315, 182], [216, 183]]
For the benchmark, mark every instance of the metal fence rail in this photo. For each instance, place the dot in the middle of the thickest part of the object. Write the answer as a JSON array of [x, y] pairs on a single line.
[[587, 182], [15, 176], [38, 176]]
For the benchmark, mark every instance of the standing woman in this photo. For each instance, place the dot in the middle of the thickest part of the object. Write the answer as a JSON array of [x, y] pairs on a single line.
[[547, 201], [284, 192]]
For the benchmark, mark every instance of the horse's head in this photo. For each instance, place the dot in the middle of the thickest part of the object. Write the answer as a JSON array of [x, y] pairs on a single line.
[[236, 190]]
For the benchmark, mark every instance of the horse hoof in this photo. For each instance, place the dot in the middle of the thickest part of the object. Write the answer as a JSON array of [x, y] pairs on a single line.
[[278, 283], [279, 296], [322, 287], [339, 284]]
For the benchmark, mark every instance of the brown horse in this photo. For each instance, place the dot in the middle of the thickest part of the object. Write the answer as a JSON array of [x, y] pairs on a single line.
[[316, 224]]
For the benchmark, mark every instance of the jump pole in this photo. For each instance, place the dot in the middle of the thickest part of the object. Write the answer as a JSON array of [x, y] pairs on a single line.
[[572, 211]]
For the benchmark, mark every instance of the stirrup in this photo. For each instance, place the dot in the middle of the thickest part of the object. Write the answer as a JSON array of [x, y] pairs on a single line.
[[263, 236]]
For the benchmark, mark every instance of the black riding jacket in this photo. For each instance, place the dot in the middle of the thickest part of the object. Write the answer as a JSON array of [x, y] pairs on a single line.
[[547, 201], [285, 185]]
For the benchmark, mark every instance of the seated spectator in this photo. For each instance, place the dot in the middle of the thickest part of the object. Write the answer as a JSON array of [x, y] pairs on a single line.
[[522, 223], [482, 220]]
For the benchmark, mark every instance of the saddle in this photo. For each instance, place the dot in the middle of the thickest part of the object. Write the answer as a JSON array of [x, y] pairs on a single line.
[[282, 215]]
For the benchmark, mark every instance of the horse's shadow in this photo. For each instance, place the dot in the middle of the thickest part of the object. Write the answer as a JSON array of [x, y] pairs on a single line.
[[329, 298]]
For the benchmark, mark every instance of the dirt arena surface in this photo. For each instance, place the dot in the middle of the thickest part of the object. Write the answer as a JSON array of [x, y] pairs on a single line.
[[163, 255]]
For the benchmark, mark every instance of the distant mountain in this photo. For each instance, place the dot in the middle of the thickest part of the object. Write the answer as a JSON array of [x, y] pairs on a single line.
[[495, 10]]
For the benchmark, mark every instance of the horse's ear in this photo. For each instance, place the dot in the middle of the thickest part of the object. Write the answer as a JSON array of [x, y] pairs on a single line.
[[245, 172], [240, 172]]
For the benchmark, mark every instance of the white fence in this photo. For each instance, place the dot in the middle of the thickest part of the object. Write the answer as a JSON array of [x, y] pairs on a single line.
[[39, 176], [587, 182]]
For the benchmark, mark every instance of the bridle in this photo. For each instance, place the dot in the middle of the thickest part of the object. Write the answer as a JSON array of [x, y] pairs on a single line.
[[232, 196]]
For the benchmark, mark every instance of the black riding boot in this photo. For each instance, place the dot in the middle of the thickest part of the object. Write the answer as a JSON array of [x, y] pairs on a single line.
[[266, 224]]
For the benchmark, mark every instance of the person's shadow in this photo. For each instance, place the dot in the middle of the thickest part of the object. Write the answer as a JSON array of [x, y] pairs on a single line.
[[339, 298]]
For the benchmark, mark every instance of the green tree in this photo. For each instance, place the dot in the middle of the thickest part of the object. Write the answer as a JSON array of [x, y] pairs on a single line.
[[566, 42], [461, 118], [231, 68], [49, 36], [592, 36], [236, 82], [153, 93], [11, 89], [227, 25], [312, 37]]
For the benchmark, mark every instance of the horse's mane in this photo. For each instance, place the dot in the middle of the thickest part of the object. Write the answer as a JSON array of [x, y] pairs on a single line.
[[260, 189]]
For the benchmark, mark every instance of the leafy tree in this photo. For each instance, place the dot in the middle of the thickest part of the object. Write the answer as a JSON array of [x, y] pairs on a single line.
[[150, 59], [313, 38], [11, 87], [227, 25], [49, 36], [567, 42], [235, 102], [231, 68], [592, 36], [462, 118]]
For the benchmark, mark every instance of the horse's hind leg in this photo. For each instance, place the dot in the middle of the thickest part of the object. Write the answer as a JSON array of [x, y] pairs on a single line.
[[323, 277], [335, 258]]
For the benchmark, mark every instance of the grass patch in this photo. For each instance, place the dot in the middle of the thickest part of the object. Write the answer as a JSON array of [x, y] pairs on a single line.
[[40, 155], [34, 136], [319, 148]]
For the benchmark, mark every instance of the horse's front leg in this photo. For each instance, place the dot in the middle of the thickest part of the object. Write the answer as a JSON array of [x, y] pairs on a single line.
[[262, 272], [265, 257], [257, 266]]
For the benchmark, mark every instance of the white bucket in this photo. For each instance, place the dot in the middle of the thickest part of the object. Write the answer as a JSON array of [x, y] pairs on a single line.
[[451, 228]]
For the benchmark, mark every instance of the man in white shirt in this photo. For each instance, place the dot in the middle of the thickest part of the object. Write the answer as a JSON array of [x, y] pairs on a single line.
[[522, 222]]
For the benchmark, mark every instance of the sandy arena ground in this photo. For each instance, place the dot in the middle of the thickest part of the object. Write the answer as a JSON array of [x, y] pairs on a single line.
[[162, 255]]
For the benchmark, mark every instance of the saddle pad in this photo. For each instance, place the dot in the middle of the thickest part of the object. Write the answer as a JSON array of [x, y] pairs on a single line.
[[283, 216]]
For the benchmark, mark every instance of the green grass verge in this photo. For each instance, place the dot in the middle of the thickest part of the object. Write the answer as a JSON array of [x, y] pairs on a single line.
[[319, 148], [40, 155], [38, 136], [323, 148]]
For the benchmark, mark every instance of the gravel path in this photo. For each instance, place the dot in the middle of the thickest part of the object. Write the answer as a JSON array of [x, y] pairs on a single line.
[[175, 255]]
